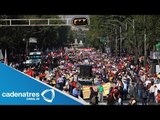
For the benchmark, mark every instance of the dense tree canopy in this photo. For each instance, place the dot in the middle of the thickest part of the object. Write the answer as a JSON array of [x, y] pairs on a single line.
[[129, 31], [14, 38]]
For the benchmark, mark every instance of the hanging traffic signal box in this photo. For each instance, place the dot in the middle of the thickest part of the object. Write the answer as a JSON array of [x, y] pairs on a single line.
[[80, 21]]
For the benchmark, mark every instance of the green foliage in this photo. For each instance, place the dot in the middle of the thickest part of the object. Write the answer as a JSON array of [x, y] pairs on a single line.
[[132, 32], [48, 37]]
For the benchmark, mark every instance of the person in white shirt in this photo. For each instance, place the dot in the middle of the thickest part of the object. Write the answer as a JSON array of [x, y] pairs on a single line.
[[147, 82], [153, 92], [120, 100]]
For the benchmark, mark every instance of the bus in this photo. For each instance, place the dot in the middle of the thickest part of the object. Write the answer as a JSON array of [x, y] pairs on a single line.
[[34, 58]]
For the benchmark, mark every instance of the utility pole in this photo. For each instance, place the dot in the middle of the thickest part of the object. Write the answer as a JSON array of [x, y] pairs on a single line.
[[133, 26], [145, 46], [136, 48], [120, 29], [27, 43], [116, 41]]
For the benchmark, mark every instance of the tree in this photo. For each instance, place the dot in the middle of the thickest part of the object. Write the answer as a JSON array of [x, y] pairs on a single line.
[[48, 37], [104, 26]]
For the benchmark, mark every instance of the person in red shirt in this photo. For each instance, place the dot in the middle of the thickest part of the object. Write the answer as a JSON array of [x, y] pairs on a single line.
[[147, 68], [115, 92], [29, 72], [42, 75], [158, 97], [66, 57]]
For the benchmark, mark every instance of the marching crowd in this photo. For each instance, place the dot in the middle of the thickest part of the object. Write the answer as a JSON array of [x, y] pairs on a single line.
[[130, 81]]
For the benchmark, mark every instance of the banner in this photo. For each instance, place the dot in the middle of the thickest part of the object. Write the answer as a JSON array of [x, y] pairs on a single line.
[[86, 90], [18, 88], [106, 87]]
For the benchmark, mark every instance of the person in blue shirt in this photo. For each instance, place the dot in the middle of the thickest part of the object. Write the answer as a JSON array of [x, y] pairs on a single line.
[[75, 92]]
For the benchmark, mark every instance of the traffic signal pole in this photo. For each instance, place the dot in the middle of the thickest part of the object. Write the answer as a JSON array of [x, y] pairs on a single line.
[[34, 22], [45, 22]]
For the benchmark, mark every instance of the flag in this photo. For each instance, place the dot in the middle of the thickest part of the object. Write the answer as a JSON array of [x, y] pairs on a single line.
[[5, 57], [1, 55]]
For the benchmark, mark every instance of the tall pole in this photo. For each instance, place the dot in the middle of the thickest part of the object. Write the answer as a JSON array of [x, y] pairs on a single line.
[[120, 29], [27, 42], [133, 26], [145, 47], [134, 37], [116, 41]]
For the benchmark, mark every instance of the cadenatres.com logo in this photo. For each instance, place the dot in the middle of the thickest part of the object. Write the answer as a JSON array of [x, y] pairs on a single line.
[[46, 98], [31, 95]]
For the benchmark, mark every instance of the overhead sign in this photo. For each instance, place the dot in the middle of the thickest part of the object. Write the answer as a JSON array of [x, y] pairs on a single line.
[[20, 89]]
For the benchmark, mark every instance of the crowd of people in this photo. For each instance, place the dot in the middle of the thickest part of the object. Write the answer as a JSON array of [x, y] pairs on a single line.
[[130, 81]]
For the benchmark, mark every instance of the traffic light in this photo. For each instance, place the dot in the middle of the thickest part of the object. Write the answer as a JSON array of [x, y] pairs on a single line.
[[80, 21]]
